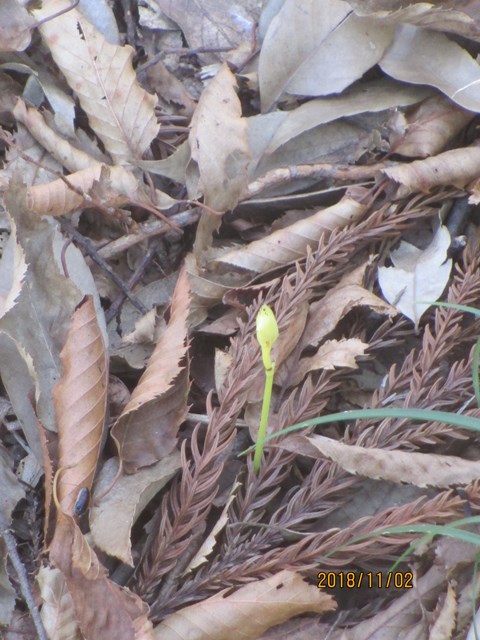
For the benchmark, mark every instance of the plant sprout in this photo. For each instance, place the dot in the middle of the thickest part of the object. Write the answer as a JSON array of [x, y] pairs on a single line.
[[267, 333]]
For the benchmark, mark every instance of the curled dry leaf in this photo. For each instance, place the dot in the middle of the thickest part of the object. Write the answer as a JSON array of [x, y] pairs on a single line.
[[218, 142], [253, 609], [124, 502], [291, 243], [331, 354], [80, 405], [117, 186], [419, 469], [444, 625], [426, 130], [456, 167], [368, 97], [16, 26], [34, 328], [146, 430], [61, 149], [325, 314], [101, 74]]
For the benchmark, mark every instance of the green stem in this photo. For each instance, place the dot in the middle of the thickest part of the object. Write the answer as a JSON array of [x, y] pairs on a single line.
[[262, 430]]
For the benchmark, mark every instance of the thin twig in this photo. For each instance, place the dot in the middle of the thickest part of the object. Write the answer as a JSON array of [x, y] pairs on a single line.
[[11, 545], [93, 254], [145, 231], [182, 51], [133, 281]]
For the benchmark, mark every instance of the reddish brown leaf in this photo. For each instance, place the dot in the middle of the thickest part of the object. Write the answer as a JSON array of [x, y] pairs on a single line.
[[80, 404], [147, 428], [102, 608]]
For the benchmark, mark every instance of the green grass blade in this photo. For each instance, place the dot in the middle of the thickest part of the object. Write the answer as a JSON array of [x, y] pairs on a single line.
[[417, 415]]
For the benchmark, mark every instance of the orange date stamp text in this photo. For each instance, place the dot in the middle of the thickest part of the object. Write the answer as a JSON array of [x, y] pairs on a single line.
[[365, 579]]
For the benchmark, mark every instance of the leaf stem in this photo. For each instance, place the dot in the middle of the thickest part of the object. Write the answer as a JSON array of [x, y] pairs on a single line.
[[262, 430]]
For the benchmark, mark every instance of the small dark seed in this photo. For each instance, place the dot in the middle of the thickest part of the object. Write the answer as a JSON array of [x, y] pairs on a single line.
[[82, 502]]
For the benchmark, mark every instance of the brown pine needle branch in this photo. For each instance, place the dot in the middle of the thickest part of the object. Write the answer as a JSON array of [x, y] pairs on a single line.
[[332, 549]]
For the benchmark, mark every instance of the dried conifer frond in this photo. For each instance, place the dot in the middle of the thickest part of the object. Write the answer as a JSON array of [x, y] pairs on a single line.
[[256, 539], [423, 381], [311, 551]]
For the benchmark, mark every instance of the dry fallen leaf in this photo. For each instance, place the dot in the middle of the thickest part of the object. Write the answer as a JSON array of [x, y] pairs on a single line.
[[442, 15], [119, 111], [455, 167], [317, 48], [417, 277], [370, 97], [115, 187], [251, 610], [146, 430], [124, 502], [427, 129], [80, 405], [218, 142], [122, 615], [214, 24], [325, 314], [331, 354], [291, 243], [426, 57], [16, 25], [36, 323], [419, 469], [57, 611]]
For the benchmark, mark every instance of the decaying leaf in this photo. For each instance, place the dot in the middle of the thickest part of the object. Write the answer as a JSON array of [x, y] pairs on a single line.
[[444, 625], [349, 293], [417, 277], [119, 111], [363, 97], [253, 609], [442, 15], [61, 149], [146, 430], [80, 405], [35, 327], [420, 469]]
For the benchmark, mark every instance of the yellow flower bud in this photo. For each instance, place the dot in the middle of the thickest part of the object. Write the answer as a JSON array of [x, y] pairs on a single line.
[[267, 333]]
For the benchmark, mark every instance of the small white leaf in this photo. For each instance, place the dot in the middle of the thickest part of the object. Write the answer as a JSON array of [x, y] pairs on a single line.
[[417, 275]]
